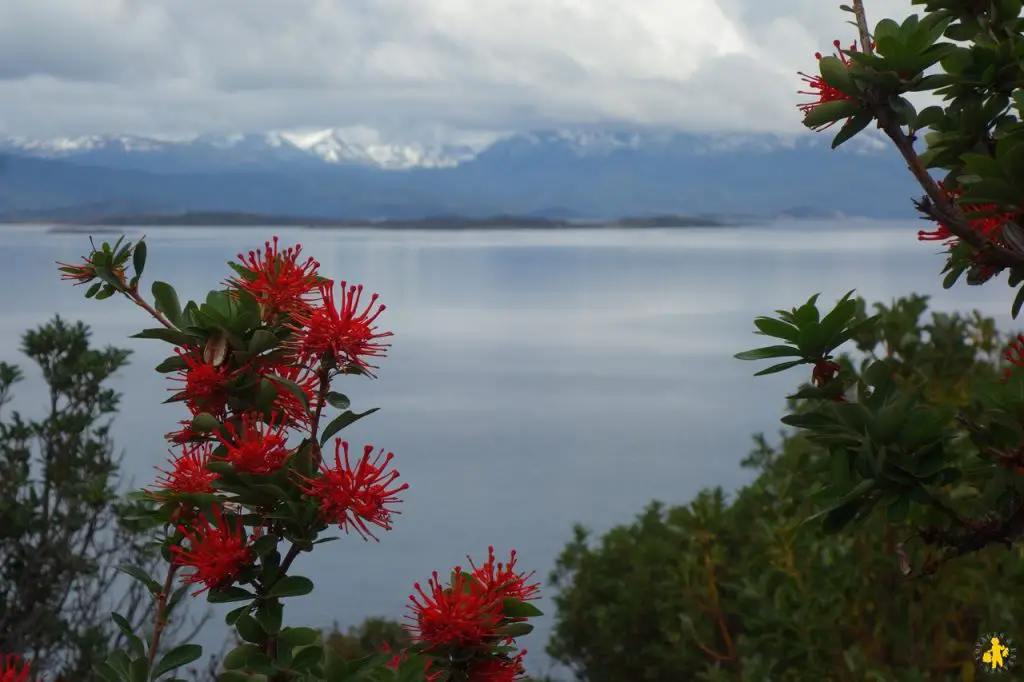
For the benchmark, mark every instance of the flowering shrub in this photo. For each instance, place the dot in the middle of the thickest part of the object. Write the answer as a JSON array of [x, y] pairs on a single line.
[[249, 488], [893, 440]]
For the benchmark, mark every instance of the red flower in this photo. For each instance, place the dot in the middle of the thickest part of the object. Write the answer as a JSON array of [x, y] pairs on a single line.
[[217, 552], [502, 580], [292, 410], [820, 89], [990, 226], [342, 330], [825, 371], [189, 473], [258, 447], [185, 434], [279, 282], [79, 274], [1014, 354], [355, 496], [13, 669], [203, 388], [497, 669], [463, 615], [397, 659]]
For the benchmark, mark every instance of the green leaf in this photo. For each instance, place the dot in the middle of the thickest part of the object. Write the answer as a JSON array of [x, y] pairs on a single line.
[[234, 614], [119, 661], [1018, 301], [857, 123], [239, 656], [781, 367], [769, 352], [837, 74], [291, 586], [249, 629], [176, 658], [516, 608], [228, 595], [898, 510], [826, 113], [107, 672], [270, 615], [516, 629], [139, 258], [172, 364], [235, 676], [134, 571], [138, 671], [265, 545], [341, 421], [138, 648], [299, 636], [204, 422], [307, 657], [172, 336], [338, 400], [165, 299], [839, 517], [262, 340], [769, 326], [292, 388]]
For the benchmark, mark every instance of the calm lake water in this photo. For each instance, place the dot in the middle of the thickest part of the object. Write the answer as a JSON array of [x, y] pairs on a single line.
[[537, 379]]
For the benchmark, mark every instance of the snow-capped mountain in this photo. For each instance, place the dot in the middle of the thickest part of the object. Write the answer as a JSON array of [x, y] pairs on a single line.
[[357, 172], [363, 147], [358, 147]]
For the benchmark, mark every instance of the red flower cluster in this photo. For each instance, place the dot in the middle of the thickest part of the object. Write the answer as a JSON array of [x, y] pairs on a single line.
[[277, 280], [990, 226], [13, 669], [820, 88], [257, 447], [79, 274], [497, 669], [293, 412], [306, 334], [1014, 354], [202, 384], [189, 473], [355, 496], [503, 580], [340, 329], [469, 615], [217, 552]]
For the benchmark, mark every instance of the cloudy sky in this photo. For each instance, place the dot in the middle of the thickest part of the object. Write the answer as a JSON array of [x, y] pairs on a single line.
[[408, 67]]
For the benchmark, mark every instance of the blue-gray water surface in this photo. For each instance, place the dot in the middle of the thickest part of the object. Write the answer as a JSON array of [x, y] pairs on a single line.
[[537, 379]]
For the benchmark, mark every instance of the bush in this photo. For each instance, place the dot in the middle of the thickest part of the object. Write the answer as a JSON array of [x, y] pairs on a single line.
[[746, 589]]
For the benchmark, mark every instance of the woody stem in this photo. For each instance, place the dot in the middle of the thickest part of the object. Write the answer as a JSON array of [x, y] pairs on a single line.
[[161, 616], [943, 210], [133, 294]]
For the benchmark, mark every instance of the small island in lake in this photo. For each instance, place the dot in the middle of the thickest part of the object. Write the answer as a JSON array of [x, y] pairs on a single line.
[[233, 219]]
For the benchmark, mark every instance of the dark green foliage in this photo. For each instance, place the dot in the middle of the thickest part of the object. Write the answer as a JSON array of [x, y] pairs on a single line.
[[746, 589], [371, 636], [63, 528]]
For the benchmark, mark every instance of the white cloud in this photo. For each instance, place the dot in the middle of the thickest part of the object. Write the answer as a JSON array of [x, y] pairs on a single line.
[[71, 67]]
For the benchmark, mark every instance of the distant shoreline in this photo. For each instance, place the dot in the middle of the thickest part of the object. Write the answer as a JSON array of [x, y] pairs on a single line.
[[215, 219]]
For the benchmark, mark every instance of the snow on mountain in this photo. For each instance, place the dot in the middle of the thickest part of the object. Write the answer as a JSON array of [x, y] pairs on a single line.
[[366, 147], [332, 145], [69, 146]]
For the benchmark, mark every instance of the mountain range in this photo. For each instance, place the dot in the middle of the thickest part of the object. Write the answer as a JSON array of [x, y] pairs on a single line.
[[563, 174]]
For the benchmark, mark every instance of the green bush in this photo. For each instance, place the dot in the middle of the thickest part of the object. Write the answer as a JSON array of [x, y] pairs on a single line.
[[745, 588]]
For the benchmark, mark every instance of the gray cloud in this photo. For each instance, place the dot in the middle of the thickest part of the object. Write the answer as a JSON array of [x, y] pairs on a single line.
[[70, 67]]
